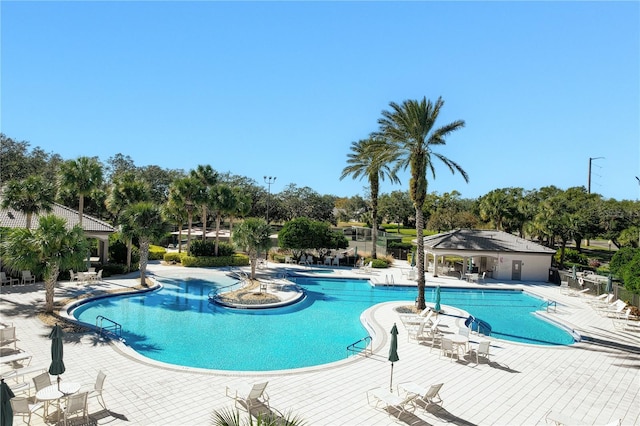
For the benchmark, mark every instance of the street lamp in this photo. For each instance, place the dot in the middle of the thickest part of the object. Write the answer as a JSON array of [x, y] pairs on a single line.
[[269, 180], [589, 180]]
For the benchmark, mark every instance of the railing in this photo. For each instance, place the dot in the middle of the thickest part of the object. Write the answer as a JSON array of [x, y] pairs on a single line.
[[112, 327], [388, 279], [358, 350]]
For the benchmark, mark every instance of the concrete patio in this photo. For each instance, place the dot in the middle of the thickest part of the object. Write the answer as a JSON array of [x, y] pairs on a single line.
[[595, 381]]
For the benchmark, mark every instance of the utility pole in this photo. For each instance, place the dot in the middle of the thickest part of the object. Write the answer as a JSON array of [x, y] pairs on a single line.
[[269, 180]]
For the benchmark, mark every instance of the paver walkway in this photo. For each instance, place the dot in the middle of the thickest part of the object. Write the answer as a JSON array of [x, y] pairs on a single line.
[[595, 381]]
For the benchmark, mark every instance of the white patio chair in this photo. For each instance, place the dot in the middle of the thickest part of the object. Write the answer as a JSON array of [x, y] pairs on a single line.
[[4, 279], [22, 407], [76, 403], [8, 336], [98, 386], [27, 278], [252, 395]]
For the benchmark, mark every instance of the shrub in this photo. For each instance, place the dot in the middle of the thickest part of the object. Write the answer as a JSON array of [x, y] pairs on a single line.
[[118, 253], [225, 249], [116, 269], [379, 263], [211, 261], [571, 255], [594, 263], [201, 248], [156, 252], [173, 257]]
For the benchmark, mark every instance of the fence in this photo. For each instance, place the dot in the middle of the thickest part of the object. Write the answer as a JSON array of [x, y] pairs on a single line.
[[598, 285]]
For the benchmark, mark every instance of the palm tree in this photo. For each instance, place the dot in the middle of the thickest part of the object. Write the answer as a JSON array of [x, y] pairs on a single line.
[[189, 191], [221, 202], [81, 176], [241, 206], [227, 417], [252, 235], [208, 178], [45, 251], [126, 190], [370, 158], [143, 220], [411, 127], [175, 211], [29, 196]]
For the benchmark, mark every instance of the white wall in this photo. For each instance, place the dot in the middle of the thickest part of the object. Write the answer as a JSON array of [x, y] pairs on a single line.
[[535, 267]]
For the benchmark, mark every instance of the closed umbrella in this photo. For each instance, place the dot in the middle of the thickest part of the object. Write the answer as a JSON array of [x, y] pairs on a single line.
[[393, 352], [574, 274], [57, 364], [609, 284], [437, 307], [6, 412], [413, 259]]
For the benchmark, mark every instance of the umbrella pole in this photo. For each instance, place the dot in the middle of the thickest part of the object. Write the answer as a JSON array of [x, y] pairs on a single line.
[[391, 382]]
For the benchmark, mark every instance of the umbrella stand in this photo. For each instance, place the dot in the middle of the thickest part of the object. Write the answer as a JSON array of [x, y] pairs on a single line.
[[393, 352]]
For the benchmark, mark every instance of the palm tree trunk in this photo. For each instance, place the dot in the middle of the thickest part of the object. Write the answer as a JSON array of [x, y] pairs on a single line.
[[204, 223], [217, 232], [129, 249], [144, 259], [29, 216], [50, 279], [421, 304], [80, 209]]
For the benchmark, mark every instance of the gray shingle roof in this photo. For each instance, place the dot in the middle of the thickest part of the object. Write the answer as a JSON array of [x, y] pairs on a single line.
[[480, 240], [10, 218]]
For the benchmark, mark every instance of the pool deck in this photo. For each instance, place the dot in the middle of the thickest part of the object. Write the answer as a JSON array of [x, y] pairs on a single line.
[[595, 381]]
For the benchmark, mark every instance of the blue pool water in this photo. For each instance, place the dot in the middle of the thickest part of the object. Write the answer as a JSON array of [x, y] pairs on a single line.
[[178, 325]]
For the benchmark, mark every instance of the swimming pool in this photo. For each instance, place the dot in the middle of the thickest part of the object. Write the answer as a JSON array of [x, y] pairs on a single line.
[[178, 325]]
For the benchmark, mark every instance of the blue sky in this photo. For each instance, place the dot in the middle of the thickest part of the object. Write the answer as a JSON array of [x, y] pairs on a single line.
[[283, 88]]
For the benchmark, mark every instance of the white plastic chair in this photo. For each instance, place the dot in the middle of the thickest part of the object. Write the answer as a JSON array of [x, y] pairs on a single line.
[[98, 386], [76, 403], [7, 280], [8, 336], [483, 350], [22, 407], [27, 278], [249, 394]]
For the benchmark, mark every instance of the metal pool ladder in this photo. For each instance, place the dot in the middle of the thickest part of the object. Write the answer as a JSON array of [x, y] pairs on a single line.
[[112, 327], [358, 350]]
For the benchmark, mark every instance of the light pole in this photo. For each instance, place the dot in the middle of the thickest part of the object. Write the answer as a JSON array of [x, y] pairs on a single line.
[[589, 179], [269, 180]]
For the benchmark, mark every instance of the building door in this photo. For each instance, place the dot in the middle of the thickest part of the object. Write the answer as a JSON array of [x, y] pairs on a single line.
[[516, 270]]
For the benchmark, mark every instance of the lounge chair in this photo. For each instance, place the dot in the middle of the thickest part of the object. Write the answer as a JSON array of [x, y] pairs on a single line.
[[76, 403], [22, 407], [416, 331], [615, 309], [8, 336], [560, 419], [365, 269], [564, 287], [430, 395], [579, 293], [17, 357], [72, 276], [401, 404], [409, 319], [7, 280], [602, 300], [250, 394], [434, 333], [27, 278]]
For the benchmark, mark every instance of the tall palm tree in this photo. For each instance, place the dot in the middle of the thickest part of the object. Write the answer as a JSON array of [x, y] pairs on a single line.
[[125, 191], [45, 251], [252, 235], [29, 196], [221, 202], [143, 220], [370, 158], [411, 126], [189, 191], [208, 178], [175, 211], [81, 176]]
